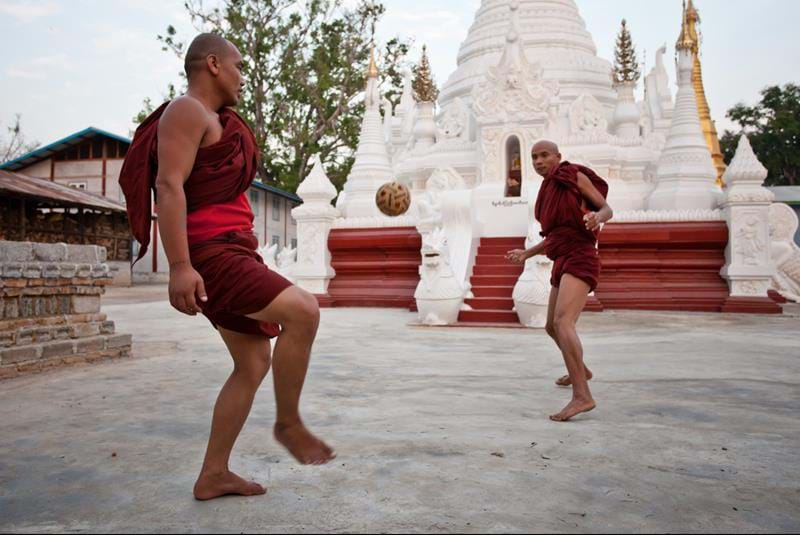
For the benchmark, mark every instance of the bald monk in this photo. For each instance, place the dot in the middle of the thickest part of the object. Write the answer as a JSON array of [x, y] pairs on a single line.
[[570, 207], [200, 157]]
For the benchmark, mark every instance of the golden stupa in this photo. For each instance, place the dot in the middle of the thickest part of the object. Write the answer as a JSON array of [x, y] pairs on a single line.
[[690, 40]]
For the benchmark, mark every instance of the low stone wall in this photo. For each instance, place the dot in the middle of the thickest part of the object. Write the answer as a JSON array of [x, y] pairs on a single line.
[[50, 307]]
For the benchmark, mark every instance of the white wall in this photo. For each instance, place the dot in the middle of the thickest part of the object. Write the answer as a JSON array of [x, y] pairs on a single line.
[[38, 170], [264, 224]]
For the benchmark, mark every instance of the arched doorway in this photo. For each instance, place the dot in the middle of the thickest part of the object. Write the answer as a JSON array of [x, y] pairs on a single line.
[[513, 167]]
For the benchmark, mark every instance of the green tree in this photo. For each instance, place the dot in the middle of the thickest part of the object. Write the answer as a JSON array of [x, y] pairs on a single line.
[[773, 127], [304, 65]]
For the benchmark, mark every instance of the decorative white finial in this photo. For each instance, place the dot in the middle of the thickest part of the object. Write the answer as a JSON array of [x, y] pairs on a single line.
[[745, 166], [513, 32], [317, 186]]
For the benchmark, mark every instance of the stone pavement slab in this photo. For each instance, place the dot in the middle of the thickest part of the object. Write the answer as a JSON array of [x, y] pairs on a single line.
[[437, 430]]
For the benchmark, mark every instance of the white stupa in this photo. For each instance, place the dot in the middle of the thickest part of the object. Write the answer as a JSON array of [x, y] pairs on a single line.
[[528, 70]]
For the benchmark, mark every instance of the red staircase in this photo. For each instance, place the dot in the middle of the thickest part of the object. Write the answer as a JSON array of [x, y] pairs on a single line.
[[493, 280]]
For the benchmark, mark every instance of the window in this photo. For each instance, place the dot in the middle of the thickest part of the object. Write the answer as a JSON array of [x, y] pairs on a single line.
[[276, 240], [84, 151], [254, 204], [276, 208], [78, 185], [294, 243]]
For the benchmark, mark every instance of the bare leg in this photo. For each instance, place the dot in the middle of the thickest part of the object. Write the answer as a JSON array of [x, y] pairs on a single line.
[[551, 330], [572, 296], [251, 361], [298, 314]]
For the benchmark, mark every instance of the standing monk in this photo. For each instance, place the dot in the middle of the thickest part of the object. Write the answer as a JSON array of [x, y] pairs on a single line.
[[200, 158], [570, 207]]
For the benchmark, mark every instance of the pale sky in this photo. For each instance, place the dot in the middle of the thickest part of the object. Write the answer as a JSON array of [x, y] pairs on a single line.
[[70, 64]]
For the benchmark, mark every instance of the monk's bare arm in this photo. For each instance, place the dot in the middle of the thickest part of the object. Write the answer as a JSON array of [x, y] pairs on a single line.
[[595, 198], [519, 256], [180, 132]]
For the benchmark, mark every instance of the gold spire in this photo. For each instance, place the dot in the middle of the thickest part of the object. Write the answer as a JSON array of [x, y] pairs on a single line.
[[689, 40], [372, 70], [424, 87]]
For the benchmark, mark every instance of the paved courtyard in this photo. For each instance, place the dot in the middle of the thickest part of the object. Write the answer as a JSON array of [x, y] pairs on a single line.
[[437, 430]]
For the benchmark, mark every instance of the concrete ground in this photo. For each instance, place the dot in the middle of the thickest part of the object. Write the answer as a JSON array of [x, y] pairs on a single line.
[[437, 430]]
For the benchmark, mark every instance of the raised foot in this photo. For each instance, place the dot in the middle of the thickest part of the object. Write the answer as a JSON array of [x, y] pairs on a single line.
[[573, 409], [303, 446], [566, 381], [210, 486]]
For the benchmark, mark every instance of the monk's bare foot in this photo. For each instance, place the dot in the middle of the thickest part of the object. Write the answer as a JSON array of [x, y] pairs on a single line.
[[303, 446], [210, 486], [574, 408], [566, 381]]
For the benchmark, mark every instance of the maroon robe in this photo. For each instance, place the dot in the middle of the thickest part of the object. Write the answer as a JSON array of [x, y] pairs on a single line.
[[237, 281], [221, 171], [559, 209]]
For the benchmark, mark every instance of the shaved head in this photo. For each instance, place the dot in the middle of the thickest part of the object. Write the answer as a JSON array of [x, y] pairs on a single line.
[[545, 145], [546, 157], [202, 46]]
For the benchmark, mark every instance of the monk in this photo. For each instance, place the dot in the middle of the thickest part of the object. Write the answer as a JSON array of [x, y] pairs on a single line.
[[200, 157], [571, 207]]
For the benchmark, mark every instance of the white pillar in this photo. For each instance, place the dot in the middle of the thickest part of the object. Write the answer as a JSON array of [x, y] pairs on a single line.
[[626, 114], [314, 218], [748, 267]]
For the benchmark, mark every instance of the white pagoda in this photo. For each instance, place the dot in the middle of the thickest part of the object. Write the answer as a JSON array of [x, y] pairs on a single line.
[[528, 70]]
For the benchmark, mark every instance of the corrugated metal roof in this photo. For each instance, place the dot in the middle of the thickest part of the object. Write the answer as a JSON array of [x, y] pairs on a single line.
[[277, 191], [17, 185], [42, 153]]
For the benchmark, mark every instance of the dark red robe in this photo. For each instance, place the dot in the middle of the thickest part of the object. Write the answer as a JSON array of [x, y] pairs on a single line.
[[237, 281], [559, 209], [221, 172]]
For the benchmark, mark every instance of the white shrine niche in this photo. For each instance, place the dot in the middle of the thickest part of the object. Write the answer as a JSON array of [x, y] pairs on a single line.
[[513, 167], [586, 117], [454, 125]]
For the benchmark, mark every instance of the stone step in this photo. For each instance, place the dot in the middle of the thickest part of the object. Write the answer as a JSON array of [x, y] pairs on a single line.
[[493, 291], [488, 316], [492, 260], [491, 303], [497, 271], [504, 242], [495, 250], [484, 280]]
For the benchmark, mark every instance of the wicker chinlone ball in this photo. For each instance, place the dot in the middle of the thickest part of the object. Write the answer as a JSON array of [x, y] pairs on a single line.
[[393, 199]]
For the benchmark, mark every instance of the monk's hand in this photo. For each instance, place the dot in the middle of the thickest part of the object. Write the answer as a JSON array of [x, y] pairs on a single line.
[[592, 220], [517, 256], [186, 289]]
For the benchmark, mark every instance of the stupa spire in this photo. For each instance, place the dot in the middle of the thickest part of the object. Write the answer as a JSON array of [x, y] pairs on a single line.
[[689, 39], [424, 87]]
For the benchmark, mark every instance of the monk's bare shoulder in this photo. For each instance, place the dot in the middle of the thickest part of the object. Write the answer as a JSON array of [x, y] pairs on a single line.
[[184, 116], [181, 130], [590, 192], [585, 184]]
